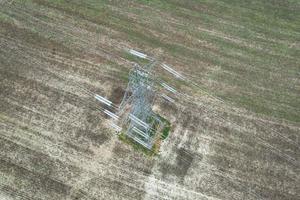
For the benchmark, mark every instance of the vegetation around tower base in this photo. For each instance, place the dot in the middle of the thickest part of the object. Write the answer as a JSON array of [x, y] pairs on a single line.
[[163, 134]]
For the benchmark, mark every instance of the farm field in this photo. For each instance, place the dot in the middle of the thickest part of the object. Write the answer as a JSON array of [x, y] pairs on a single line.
[[236, 137]]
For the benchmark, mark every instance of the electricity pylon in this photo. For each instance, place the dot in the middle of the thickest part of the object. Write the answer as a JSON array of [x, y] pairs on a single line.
[[139, 98]]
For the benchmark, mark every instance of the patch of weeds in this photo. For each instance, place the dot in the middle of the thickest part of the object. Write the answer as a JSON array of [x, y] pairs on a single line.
[[163, 135], [166, 131], [123, 137], [167, 127]]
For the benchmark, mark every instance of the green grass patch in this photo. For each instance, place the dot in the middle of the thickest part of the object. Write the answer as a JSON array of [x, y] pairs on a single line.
[[167, 127], [162, 136], [166, 132], [124, 138]]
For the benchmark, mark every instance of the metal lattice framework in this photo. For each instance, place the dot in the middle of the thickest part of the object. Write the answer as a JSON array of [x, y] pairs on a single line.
[[139, 97], [135, 111]]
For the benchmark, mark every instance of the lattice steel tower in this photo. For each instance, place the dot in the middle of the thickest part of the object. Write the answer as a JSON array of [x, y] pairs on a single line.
[[138, 99]]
